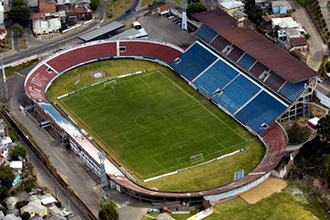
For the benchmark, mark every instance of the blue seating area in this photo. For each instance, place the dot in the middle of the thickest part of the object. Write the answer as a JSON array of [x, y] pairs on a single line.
[[246, 61], [262, 109], [217, 76], [236, 94], [206, 33], [52, 111], [293, 90], [193, 61]]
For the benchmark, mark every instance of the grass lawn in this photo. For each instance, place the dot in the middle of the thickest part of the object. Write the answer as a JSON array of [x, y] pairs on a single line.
[[153, 122], [114, 8], [284, 205]]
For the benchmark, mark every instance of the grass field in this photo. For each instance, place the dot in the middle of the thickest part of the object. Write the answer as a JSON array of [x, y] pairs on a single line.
[[153, 122], [286, 204]]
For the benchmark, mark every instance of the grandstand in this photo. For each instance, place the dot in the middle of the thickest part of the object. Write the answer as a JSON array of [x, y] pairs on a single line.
[[238, 74], [270, 66], [230, 88]]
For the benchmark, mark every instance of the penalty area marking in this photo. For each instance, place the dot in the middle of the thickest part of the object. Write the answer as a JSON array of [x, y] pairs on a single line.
[[197, 165]]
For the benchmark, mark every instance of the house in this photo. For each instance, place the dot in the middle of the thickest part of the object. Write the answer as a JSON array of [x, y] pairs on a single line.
[[239, 16], [80, 12], [230, 6], [36, 217], [280, 7], [47, 199], [262, 3], [11, 217], [16, 165], [283, 23], [11, 202], [163, 10], [3, 33], [46, 26], [35, 208], [46, 6], [2, 126]]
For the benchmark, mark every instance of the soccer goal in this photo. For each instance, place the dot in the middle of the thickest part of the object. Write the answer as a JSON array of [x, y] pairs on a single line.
[[196, 158], [109, 83]]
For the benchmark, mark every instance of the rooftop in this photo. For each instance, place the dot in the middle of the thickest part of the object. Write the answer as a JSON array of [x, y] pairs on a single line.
[[276, 59], [115, 25], [286, 22], [231, 4]]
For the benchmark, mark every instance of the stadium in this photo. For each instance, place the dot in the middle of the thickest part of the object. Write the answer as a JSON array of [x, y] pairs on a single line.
[[250, 79]]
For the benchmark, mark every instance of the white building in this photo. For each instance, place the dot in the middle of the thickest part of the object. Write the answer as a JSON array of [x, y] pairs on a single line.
[[230, 6], [46, 26], [283, 23]]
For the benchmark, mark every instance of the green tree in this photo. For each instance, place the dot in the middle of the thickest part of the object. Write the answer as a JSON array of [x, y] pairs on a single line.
[[3, 193], [26, 216], [95, 4], [254, 12], [108, 212], [19, 13], [195, 8], [298, 134], [17, 152], [19, 204], [323, 128], [6, 176]]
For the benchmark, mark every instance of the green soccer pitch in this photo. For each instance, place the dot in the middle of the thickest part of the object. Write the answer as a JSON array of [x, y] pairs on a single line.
[[153, 123]]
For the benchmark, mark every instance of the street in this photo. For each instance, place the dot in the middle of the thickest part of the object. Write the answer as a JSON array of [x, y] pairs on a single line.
[[317, 47]]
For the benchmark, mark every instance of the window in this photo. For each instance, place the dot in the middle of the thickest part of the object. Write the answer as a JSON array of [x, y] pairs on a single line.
[[122, 48]]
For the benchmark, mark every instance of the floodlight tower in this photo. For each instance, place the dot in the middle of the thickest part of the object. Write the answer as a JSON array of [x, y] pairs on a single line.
[[103, 174], [184, 15], [4, 95], [184, 26]]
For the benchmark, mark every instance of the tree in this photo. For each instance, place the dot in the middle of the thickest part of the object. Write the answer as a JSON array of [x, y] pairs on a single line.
[[3, 193], [298, 134], [195, 8], [26, 216], [108, 212], [323, 128], [254, 11], [95, 4], [17, 152], [6, 176], [19, 204], [19, 13]]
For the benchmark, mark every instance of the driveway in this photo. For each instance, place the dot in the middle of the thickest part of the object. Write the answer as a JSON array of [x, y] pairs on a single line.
[[317, 47]]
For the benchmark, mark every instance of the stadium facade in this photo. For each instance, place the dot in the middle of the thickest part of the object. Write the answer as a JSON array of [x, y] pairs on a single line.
[[252, 80]]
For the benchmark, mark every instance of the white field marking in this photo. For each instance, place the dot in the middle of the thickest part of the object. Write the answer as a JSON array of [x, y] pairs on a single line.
[[105, 144], [118, 130], [221, 145], [193, 98], [157, 163], [188, 143]]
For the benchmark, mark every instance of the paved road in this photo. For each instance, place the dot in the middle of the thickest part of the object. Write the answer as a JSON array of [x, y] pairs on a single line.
[[46, 179], [317, 48], [65, 163], [45, 47]]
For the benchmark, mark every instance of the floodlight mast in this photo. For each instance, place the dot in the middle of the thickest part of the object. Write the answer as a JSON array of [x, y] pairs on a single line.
[[184, 26]]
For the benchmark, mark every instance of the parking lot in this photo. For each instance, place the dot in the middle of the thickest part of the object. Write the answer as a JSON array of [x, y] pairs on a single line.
[[167, 29]]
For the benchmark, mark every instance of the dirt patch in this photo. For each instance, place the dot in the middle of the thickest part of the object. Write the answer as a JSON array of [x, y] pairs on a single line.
[[265, 189]]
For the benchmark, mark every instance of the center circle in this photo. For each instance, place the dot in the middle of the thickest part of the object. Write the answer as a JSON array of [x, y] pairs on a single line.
[[150, 120]]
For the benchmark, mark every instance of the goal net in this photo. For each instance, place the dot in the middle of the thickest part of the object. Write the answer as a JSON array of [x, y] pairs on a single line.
[[196, 158]]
